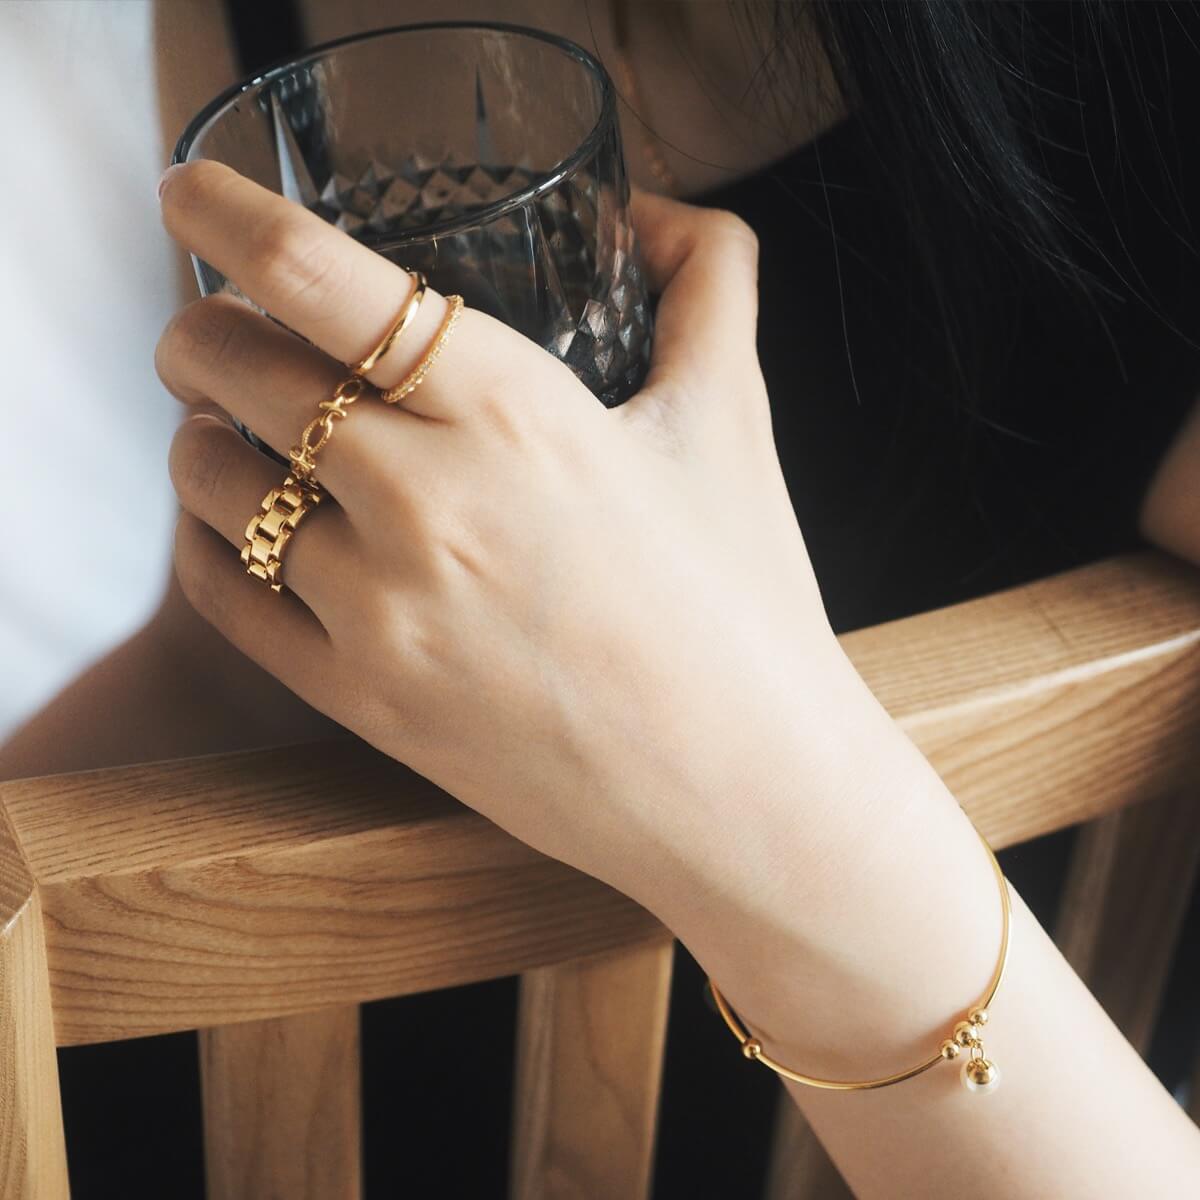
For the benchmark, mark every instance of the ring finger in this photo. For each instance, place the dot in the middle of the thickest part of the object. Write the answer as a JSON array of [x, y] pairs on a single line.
[[222, 480]]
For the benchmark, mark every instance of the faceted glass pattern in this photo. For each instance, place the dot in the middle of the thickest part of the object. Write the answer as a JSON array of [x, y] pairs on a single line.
[[486, 156]]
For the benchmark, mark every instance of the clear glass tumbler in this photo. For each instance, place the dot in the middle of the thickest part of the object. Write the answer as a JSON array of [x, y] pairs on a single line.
[[487, 156]]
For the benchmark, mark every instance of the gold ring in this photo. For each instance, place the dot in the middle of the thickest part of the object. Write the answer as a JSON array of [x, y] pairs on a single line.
[[319, 430], [271, 528], [403, 320], [415, 377]]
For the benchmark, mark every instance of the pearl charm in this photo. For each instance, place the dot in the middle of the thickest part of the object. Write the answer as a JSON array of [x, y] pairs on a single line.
[[980, 1075]]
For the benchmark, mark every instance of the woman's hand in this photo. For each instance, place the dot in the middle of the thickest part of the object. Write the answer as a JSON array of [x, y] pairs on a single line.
[[600, 630], [592, 626]]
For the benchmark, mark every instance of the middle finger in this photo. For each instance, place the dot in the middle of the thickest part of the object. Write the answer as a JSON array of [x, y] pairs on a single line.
[[221, 350]]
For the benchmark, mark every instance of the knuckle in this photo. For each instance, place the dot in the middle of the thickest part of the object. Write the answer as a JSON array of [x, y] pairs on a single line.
[[462, 551], [508, 420], [190, 569], [201, 335], [299, 269], [506, 396], [518, 408], [730, 231], [198, 459]]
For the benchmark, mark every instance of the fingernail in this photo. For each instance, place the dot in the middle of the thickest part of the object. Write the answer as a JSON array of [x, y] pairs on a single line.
[[162, 179], [208, 416]]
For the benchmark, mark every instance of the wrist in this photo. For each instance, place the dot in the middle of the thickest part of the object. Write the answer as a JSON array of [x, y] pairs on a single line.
[[845, 906]]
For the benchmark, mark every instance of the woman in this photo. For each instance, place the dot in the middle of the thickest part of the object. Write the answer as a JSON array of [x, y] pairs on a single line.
[[603, 629]]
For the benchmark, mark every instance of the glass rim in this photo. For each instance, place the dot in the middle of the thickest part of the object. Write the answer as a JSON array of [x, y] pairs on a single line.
[[561, 170]]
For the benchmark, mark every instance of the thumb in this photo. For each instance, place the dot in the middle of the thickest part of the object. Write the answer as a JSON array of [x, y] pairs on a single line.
[[704, 264]]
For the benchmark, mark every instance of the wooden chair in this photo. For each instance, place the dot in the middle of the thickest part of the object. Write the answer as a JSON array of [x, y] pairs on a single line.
[[260, 898]]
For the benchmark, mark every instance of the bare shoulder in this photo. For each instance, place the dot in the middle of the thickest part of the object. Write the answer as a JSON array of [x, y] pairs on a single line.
[[1170, 515]]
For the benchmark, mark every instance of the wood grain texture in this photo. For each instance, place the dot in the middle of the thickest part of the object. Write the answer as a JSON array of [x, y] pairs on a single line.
[[1055, 702], [282, 1108], [590, 1041], [243, 887], [800, 1169], [1042, 707], [1124, 903], [248, 886], [33, 1158]]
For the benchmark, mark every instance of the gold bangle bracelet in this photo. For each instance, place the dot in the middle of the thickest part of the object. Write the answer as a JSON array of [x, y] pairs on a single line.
[[979, 1072]]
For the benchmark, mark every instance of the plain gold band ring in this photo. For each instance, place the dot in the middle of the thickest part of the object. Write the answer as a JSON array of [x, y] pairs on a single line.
[[403, 320]]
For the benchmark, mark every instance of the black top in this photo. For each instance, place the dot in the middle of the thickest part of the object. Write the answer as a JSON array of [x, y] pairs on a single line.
[[910, 496]]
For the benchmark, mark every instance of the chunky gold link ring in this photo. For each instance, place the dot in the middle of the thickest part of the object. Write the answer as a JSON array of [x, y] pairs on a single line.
[[403, 320], [271, 528], [415, 377]]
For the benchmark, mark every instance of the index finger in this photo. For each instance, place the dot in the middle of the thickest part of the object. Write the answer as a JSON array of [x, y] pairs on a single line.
[[704, 262], [321, 283]]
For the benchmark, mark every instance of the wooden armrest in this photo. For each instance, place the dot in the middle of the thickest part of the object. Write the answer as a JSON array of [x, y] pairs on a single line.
[[205, 891], [232, 887], [1054, 702]]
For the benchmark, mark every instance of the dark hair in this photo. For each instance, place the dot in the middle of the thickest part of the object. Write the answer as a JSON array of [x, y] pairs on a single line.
[[959, 101], [947, 92]]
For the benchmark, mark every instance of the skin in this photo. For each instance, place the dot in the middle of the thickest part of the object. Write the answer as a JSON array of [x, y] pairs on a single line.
[[501, 467], [514, 581], [440, 612]]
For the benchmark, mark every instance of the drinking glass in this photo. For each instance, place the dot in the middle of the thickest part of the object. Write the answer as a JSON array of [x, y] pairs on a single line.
[[487, 156]]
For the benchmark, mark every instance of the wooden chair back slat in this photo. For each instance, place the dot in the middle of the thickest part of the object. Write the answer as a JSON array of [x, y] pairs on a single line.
[[1123, 907], [282, 1108], [590, 1040], [33, 1154]]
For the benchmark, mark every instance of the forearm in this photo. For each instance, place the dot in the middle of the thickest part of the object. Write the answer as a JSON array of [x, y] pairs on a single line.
[[861, 928], [1078, 1115], [176, 688]]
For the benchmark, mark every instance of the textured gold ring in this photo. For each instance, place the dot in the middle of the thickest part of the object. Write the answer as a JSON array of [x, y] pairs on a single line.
[[403, 320], [271, 528], [415, 377]]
